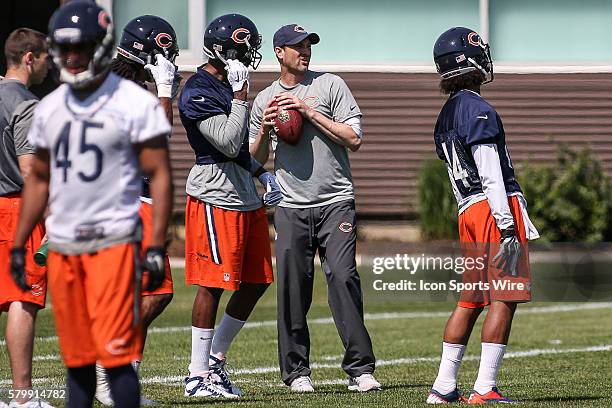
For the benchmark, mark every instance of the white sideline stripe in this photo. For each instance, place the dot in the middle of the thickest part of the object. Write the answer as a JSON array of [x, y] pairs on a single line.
[[382, 316], [397, 361], [393, 362]]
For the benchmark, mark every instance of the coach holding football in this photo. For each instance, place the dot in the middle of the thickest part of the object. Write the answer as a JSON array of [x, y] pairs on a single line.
[[318, 210]]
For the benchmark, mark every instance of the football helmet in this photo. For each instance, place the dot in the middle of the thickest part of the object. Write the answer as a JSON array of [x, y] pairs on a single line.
[[233, 36], [78, 23], [146, 36], [461, 50]]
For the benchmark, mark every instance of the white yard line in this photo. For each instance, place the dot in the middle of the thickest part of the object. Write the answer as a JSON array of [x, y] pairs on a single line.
[[383, 316], [178, 380], [394, 362]]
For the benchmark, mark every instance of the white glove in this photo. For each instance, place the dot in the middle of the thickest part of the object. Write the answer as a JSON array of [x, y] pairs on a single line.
[[163, 74], [237, 74]]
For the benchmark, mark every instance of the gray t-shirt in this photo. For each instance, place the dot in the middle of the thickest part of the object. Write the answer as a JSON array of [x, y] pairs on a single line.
[[316, 171], [225, 185], [16, 111]]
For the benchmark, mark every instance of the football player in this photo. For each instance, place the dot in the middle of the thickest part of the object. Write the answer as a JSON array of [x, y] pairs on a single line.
[[26, 54], [493, 219], [226, 227], [146, 52], [93, 136]]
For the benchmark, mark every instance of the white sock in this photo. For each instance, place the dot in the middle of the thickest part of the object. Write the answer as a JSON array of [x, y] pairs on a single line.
[[446, 381], [136, 365], [490, 361], [224, 335], [201, 340]]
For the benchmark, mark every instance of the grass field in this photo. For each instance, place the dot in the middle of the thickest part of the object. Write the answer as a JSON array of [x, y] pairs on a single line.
[[559, 355]]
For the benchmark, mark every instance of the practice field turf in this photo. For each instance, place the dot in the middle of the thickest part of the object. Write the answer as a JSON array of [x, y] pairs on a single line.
[[559, 355]]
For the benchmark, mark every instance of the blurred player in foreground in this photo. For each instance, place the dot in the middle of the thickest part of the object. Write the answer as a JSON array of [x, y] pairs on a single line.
[[93, 136], [146, 53], [27, 58], [227, 245], [493, 220]]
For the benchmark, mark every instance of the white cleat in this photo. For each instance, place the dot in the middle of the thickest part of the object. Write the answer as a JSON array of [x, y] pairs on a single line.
[[3, 404], [33, 403], [103, 394], [219, 376], [302, 384], [363, 383], [202, 386]]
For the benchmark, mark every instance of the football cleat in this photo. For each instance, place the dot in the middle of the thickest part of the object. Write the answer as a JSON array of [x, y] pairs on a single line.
[[219, 376], [363, 383], [491, 397], [33, 403], [202, 386], [452, 397], [103, 394], [302, 384]]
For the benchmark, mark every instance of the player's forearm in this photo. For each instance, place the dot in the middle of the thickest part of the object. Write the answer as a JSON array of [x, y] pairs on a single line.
[[162, 195], [487, 162], [226, 133], [340, 133], [166, 104], [33, 204]]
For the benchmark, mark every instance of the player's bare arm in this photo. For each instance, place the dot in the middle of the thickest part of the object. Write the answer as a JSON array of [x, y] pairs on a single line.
[[155, 163], [35, 196], [25, 165], [340, 133]]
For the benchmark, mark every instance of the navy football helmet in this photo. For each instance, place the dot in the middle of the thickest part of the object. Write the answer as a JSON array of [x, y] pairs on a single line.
[[76, 23], [145, 36], [233, 36], [461, 50]]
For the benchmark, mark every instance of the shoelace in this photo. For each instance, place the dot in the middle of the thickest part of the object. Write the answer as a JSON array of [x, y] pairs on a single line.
[[222, 371]]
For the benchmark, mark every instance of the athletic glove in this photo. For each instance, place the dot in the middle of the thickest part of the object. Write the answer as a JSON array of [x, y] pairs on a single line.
[[18, 268], [273, 196], [510, 251], [163, 73], [154, 263], [237, 74]]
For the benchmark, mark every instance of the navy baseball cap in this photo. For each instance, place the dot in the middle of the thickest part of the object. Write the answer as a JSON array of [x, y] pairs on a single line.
[[292, 34]]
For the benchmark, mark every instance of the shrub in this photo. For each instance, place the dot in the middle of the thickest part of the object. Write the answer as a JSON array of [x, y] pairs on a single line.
[[569, 199], [436, 203]]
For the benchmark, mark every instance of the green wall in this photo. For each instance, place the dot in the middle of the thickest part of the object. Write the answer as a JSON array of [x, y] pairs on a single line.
[[396, 31], [551, 30]]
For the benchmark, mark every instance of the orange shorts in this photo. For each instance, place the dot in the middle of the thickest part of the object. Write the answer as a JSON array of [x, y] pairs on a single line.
[[480, 237], [146, 215], [224, 248], [36, 275], [96, 310]]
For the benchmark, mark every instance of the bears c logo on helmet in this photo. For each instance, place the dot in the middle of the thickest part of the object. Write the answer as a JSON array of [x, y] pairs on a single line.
[[241, 35], [474, 39], [163, 40]]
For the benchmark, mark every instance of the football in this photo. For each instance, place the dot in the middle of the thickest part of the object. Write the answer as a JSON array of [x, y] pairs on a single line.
[[288, 125]]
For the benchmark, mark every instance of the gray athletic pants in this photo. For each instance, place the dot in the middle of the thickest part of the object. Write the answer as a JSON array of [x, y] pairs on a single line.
[[300, 232]]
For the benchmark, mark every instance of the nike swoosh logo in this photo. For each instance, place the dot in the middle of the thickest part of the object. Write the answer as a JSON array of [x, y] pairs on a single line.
[[201, 99], [353, 108], [482, 117]]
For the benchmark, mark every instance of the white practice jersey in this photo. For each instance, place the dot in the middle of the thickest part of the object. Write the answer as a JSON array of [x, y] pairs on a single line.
[[95, 178]]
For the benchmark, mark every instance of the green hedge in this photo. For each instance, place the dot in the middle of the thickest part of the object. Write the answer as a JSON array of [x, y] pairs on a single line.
[[570, 198], [436, 203]]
